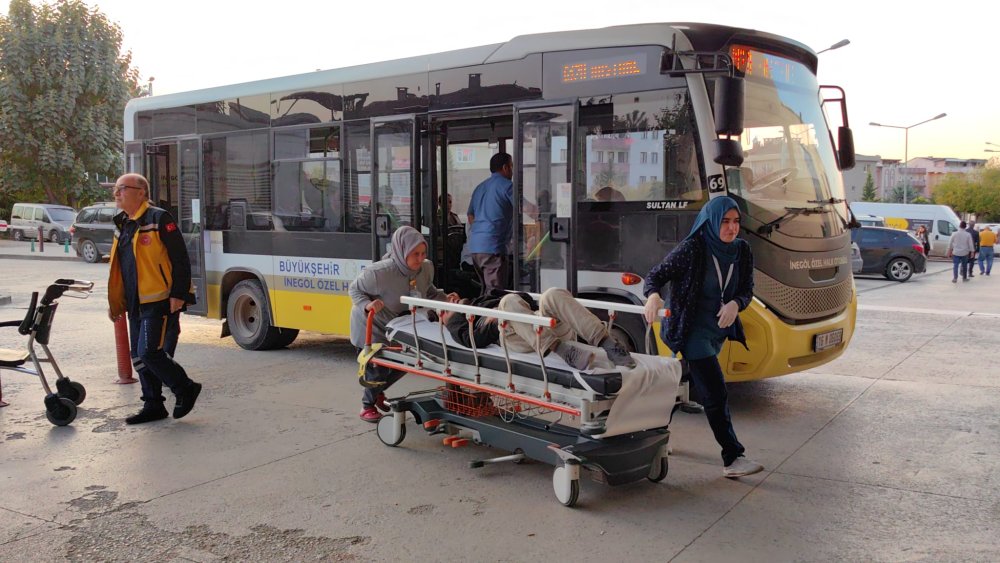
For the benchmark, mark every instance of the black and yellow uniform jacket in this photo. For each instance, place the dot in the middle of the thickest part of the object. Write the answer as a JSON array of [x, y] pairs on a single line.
[[161, 260]]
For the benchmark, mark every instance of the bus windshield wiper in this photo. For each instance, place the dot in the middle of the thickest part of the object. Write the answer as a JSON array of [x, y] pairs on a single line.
[[833, 201], [790, 212]]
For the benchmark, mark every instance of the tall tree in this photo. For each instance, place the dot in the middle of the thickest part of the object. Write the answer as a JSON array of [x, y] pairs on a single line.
[[868, 192], [64, 82]]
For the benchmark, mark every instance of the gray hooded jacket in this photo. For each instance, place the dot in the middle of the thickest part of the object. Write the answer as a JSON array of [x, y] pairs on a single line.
[[383, 280]]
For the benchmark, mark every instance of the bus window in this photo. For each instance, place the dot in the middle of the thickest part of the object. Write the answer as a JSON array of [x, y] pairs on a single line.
[[640, 147], [357, 177], [236, 166], [307, 184]]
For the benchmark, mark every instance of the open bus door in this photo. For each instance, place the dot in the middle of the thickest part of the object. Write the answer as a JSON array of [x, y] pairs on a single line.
[[543, 190], [173, 170], [396, 166]]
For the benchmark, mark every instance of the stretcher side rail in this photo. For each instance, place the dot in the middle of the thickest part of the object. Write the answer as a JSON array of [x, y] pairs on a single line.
[[503, 317]]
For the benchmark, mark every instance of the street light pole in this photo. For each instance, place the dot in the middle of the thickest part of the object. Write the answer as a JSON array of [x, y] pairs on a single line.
[[837, 45], [906, 146]]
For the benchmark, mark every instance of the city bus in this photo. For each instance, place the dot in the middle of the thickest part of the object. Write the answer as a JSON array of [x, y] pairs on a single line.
[[286, 188]]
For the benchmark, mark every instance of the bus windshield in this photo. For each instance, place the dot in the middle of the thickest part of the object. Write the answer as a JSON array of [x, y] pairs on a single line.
[[789, 178]]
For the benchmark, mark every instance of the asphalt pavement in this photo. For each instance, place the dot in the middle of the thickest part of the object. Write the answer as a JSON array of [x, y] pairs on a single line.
[[888, 453]]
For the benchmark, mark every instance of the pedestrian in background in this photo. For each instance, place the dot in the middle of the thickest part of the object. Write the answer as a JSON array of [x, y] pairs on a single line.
[[924, 239], [150, 281], [987, 239], [975, 247], [959, 250]]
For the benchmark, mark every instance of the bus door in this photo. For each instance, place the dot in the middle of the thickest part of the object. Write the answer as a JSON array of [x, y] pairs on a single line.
[[543, 187], [395, 163], [462, 144], [172, 169]]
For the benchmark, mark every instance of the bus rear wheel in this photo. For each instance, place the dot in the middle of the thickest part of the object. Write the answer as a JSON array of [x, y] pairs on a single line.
[[250, 319]]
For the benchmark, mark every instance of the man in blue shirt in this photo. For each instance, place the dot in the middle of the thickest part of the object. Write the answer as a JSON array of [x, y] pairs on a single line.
[[491, 215]]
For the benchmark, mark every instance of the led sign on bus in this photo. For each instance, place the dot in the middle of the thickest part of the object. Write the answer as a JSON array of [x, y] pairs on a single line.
[[632, 64], [756, 64]]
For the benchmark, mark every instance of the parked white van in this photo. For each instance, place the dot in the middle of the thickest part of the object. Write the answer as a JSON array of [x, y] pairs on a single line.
[[55, 221], [940, 220]]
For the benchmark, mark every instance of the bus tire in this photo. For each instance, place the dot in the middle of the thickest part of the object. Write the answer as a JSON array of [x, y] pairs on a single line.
[[250, 318], [284, 337]]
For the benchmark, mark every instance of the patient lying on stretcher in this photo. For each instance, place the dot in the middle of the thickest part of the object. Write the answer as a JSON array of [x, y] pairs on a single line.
[[574, 321]]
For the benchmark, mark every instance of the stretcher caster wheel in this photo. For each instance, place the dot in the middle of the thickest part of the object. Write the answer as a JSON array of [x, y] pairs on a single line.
[[389, 431], [566, 483], [658, 470], [71, 390], [61, 411]]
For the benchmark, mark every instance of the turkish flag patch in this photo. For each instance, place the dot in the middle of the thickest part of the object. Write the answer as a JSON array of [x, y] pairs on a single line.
[[171, 227]]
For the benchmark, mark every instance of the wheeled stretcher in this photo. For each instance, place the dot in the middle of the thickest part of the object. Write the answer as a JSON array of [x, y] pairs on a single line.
[[60, 405], [611, 422]]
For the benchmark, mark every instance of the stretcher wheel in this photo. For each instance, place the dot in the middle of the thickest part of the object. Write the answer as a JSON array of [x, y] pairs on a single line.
[[658, 470], [72, 390], [389, 432], [62, 412], [567, 488]]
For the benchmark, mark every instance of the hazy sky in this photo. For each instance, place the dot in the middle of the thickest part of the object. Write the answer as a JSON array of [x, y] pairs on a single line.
[[906, 63]]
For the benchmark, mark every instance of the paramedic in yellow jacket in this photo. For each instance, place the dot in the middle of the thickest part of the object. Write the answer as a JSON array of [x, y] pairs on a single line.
[[150, 281]]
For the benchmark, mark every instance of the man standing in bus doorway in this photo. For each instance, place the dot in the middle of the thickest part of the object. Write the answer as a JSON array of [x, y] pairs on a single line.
[[491, 215], [975, 246], [150, 281]]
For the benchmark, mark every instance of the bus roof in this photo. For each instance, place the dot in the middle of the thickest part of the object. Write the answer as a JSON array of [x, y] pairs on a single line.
[[702, 37]]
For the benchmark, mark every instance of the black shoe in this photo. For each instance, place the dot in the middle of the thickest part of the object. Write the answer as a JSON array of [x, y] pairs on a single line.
[[148, 414], [186, 400], [617, 353]]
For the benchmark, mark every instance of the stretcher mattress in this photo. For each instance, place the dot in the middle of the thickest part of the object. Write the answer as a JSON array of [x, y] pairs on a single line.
[[603, 381]]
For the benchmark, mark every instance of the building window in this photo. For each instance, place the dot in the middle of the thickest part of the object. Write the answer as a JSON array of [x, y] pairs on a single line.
[[643, 156], [600, 156], [622, 157], [642, 179], [654, 157]]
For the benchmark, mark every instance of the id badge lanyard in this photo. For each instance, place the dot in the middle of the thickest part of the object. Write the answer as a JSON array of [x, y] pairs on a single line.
[[723, 285]]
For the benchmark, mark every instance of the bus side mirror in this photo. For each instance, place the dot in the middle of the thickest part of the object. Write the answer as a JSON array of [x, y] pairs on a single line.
[[728, 105], [728, 152], [845, 147]]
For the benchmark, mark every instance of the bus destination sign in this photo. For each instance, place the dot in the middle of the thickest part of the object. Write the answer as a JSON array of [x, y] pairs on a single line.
[[631, 64]]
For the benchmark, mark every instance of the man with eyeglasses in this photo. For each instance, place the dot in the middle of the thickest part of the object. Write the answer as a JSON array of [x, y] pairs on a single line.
[[150, 281]]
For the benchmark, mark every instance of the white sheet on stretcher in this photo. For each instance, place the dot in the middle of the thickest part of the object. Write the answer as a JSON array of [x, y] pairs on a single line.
[[646, 397]]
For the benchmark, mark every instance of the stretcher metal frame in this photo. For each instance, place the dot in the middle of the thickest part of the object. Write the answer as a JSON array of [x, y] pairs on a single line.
[[61, 404], [509, 414]]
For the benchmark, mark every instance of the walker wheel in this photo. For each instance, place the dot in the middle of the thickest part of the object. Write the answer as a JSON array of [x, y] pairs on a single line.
[[658, 471], [567, 490], [387, 433], [62, 412], [72, 390]]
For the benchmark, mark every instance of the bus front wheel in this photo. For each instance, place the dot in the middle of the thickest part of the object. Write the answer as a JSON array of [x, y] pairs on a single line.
[[250, 319]]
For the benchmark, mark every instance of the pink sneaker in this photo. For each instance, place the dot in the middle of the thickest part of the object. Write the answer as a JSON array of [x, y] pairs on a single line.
[[380, 403], [369, 414]]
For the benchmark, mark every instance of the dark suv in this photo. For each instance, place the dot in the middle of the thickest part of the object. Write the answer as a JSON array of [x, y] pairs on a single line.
[[892, 253], [94, 231]]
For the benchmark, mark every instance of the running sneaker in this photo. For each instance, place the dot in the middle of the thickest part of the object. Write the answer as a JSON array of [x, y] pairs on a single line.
[[741, 468]]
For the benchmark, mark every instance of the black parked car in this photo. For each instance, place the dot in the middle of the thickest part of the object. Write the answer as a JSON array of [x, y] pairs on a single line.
[[94, 231], [893, 253]]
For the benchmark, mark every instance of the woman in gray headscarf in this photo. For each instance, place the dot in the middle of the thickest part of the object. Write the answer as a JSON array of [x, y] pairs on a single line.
[[404, 270]]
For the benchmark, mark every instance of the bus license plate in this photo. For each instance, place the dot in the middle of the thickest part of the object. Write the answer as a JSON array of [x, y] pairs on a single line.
[[826, 340]]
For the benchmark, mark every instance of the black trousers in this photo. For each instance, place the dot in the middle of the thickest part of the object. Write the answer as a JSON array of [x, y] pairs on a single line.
[[710, 386]]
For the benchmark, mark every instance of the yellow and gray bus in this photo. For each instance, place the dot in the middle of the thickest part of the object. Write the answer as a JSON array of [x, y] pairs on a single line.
[[286, 188]]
